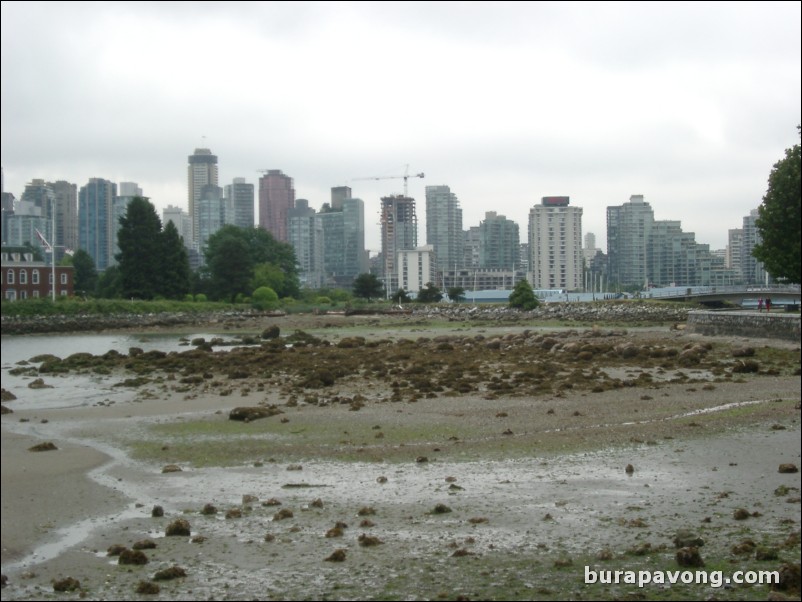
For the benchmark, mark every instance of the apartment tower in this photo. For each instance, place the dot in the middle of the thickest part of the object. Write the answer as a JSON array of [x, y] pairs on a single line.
[[276, 198], [555, 244], [202, 171], [444, 227]]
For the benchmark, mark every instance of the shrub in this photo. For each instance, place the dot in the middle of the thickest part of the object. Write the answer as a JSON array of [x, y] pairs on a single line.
[[264, 298]]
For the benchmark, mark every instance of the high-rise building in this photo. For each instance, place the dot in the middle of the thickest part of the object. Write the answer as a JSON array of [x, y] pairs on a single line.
[[95, 221], [33, 213], [66, 195], [399, 232], [276, 198], [444, 227], [356, 257], [181, 221], [735, 244], [417, 268], [338, 196], [629, 227], [210, 208], [555, 244], [471, 240], [240, 204], [753, 271], [202, 171], [499, 242], [306, 237]]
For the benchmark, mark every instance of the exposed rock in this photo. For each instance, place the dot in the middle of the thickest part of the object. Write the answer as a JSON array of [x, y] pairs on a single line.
[[336, 556], [179, 527], [47, 446], [171, 468], [248, 414], [147, 588], [689, 557], [788, 468], [132, 557], [174, 572], [68, 584], [685, 538]]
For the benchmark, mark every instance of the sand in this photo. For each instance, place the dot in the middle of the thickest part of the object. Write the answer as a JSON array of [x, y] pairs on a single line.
[[532, 495]]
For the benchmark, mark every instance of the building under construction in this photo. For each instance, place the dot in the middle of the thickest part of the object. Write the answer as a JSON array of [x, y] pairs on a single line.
[[399, 230]]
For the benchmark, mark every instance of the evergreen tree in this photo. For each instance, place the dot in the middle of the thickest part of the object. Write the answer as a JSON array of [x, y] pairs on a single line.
[[174, 280], [523, 297], [456, 294], [429, 294], [84, 273], [400, 296], [140, 256], [368, 286], [780, 220]]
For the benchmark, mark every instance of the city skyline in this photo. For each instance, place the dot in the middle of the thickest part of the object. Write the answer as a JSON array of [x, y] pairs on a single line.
[[688, 104]]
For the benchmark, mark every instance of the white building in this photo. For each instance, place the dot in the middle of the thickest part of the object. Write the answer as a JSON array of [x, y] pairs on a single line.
[[555, 244], [416, 268]]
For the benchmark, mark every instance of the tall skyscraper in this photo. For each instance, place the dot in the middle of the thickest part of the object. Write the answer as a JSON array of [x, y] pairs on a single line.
[[276, 198], [95, 221], [306, 238], [444, 227], [356, 257], [66, 195], [338, 196], [399, 232], [240, 204], [555, 244], [202, 171], [629, 227], [210, 209], [754, 272], [499, 242]]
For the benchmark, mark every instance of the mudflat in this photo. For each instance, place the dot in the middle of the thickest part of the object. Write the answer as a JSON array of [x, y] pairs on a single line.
[[401, 459]]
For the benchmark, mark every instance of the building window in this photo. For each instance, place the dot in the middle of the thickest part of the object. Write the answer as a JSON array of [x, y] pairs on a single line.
[[36, 293], [10, 277], [64, 278], [23, 277], [35, 277], [11, 294], [23, 294]]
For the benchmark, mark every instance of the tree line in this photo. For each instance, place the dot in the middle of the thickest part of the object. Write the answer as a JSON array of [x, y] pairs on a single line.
[[153, 263]]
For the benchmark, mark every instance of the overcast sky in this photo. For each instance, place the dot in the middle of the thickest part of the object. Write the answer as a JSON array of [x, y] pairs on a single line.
[[688, 104]]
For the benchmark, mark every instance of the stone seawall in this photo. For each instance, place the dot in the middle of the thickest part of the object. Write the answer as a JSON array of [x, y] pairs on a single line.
[[747, 324]]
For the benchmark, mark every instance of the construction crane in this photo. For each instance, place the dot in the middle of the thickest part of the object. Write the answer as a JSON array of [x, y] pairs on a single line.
[[405, 177]]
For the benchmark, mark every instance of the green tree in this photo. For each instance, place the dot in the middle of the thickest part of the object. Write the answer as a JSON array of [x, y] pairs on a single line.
[[254, 246], [109, 283], [368, 286], [400, 296], [429, 294], [523, 297], [230, 265], [140, 256], [174, 281], [269, 275], [264, 298], [84, 273], [456, 294], [779, 221]]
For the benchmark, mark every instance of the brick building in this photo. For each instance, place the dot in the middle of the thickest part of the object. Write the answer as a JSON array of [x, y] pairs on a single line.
[[25, 278]]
